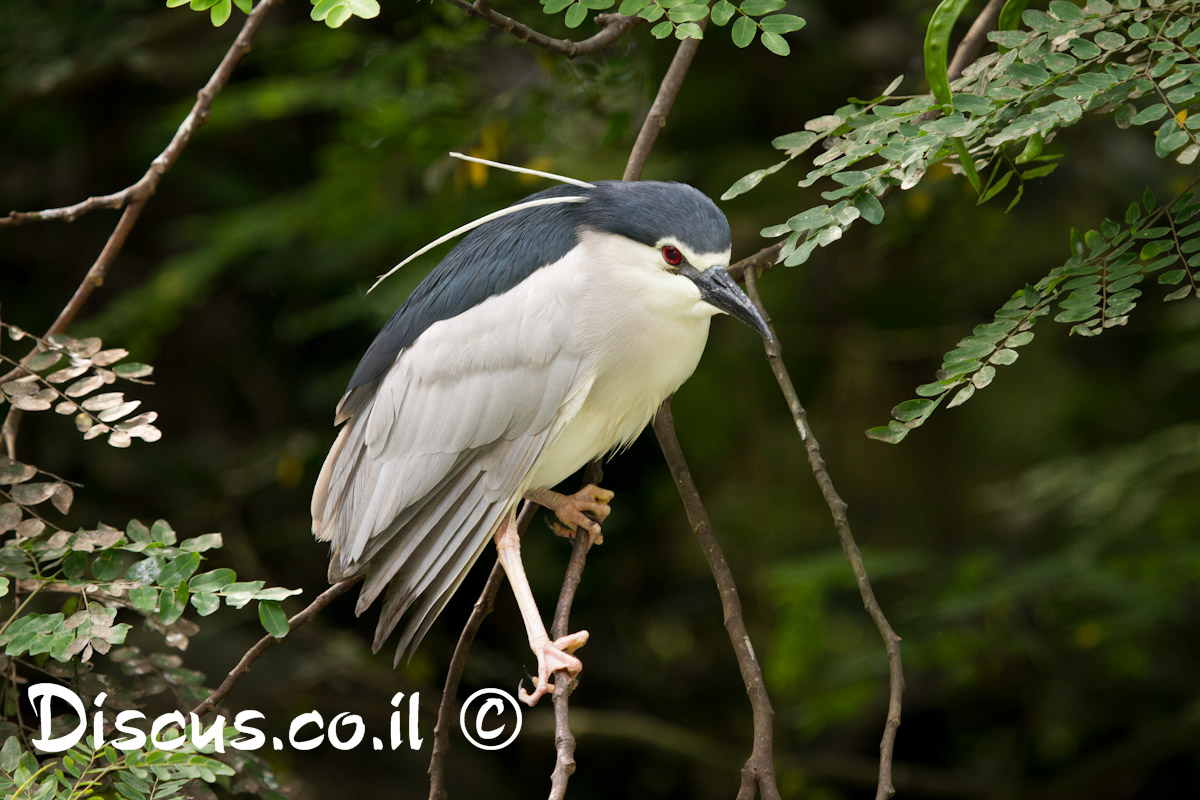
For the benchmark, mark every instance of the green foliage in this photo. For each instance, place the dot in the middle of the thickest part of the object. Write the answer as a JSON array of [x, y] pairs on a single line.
[[997, 118], [681, 17], [84, 772], [144, 573], [333, 13]]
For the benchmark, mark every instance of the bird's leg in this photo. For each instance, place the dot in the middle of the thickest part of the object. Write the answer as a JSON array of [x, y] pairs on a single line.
[[585, 509], [551, 655]]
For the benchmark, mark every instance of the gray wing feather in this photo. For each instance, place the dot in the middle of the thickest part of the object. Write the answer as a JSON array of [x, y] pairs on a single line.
[[436, 451]]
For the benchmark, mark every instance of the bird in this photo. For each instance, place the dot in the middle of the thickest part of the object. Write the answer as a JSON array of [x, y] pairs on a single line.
[[546, 338]]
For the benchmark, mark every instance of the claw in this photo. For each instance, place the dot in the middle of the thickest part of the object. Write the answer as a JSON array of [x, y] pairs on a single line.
[[552, 657], [585, 509]]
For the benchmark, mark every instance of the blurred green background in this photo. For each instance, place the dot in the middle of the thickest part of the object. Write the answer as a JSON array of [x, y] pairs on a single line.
[[1037, 549]]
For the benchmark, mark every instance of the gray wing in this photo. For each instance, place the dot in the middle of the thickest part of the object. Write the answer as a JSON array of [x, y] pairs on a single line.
[[436, 451]]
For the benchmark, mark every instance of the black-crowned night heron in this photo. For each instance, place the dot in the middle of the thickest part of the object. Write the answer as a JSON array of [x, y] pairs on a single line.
[[546, 338]]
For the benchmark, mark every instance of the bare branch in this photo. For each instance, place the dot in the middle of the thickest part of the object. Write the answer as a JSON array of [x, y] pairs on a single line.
[[260, 647], [564, 739], [761, 261], [837, 507], [134, 197], [458, 662], [613, 27], [758, 774], [199, 114], [976, 35], [656, 119]]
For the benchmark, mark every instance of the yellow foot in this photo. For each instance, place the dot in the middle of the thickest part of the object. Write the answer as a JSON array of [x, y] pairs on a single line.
[[585, 509]]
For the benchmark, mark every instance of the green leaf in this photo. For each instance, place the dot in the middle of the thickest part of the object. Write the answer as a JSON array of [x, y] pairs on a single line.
[[781, 23], [173, 604], [689, 30], [776, 43], [178, 570], [271, 615], [575, 15], [757, 8], [220, 12], [212, 580], [869, 206], [910, 410], [892, 433], [205, 603], [161, 531], [107, 565], [662, 30], [1010, 15], [743, 31], [937, 42], [245, 6], [691, 12], [144, 598], [968, 165], [722, 12]]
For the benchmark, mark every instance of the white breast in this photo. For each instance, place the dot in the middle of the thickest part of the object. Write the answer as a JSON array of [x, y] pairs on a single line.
[[643, 330]]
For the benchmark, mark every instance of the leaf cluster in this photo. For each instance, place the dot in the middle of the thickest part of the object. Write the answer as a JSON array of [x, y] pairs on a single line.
[[683, 18], [992, 126], [64, 373], [333, 13]]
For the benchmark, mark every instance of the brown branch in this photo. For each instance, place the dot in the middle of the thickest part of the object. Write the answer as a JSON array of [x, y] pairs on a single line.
[[134, 197], [656, 119], [564, 739], [458, 662], [612, 27], [198, 115], [837, 507], [758, 773], [976, 35], [761, 261], [260, 647]]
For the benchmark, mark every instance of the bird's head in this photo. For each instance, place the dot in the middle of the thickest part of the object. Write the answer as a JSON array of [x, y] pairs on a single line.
[[674, 229]]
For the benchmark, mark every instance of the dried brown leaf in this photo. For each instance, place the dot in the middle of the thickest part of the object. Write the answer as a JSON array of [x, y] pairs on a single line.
[[84, 386], [147, 433], [30, 402], [144, 418], [82, 422], [66, 407], [67, 373], [15, 333], [62, 498], [98, 429], [59, 539], [15, 471], [111, 356], [116, 412], [10, 517], [85, 348], [30, 528], [106, 375], [30, 494], [21, 386], [100, 402], [76, 619], [119, 439]]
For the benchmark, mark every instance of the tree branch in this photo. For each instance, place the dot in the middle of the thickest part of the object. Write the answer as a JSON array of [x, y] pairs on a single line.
[[134, 197], [656, 119], [758, 774], [458, 662], [976, 35], [564, 740], [837, 507], [612, 27], [260, 647]]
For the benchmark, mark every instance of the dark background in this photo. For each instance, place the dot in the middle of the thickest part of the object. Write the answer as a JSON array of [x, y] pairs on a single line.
[[1036, 549]]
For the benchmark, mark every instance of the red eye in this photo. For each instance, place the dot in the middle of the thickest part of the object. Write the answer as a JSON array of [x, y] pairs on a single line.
[[672, 256]]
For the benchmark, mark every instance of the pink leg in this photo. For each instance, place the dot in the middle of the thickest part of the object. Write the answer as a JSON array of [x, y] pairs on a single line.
[[551, 655], [572, 510]]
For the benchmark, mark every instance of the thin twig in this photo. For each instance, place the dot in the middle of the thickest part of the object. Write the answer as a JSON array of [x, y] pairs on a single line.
[[612, 27], [656, 119], [260, 647], [134, 197], [837, 507], [564, 739], [458, 662], [976, 35], [759, 770], [762, 261], [198, 115]]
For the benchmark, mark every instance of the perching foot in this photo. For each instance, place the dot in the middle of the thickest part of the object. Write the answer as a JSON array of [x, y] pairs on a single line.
[[552, 657], [585, 509]]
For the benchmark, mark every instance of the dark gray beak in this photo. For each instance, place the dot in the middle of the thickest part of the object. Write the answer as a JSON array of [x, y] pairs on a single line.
[[718, 289]]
